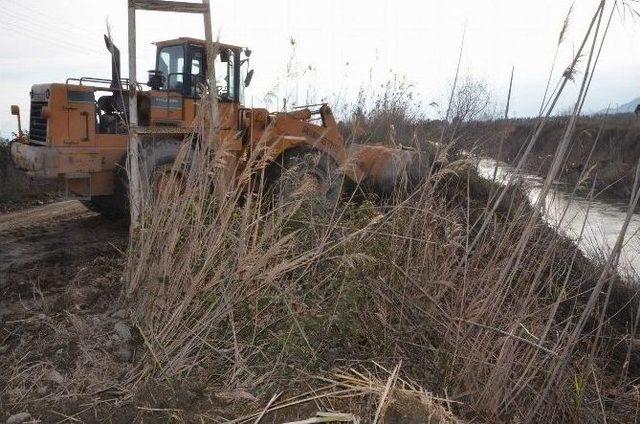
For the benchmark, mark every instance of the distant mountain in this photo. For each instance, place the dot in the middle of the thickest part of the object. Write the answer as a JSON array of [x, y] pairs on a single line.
[[625, 108]]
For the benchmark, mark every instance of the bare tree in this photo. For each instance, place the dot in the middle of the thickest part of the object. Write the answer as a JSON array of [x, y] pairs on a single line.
[[471, 100]]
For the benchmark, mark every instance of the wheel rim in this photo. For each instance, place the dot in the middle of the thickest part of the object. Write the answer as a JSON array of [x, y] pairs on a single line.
[[312, 177]]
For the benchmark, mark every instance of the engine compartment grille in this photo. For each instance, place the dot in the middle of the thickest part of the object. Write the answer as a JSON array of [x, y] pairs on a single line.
[[37, 124]]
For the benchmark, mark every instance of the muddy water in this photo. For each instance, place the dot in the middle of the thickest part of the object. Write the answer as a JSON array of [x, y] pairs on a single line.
[[604, 218]]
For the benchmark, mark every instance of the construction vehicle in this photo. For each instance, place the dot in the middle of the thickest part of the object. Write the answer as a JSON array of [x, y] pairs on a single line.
[[80, 131]]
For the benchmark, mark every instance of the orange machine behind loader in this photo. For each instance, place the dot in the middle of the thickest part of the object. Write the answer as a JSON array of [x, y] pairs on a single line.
[[78, 131]]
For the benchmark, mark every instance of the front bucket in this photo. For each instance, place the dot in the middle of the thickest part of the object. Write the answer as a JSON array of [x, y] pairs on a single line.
[[385, 170]]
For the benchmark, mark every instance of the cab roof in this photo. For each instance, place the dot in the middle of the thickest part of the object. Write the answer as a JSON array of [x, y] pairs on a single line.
[[196, 41]]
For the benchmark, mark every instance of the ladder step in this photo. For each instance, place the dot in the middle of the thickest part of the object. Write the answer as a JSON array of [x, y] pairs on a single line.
[[170, 6]]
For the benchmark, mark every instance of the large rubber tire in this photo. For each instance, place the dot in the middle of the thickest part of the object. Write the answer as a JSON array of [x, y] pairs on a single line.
[[287, 175], [117, 204], [106, 206], [154, 154]]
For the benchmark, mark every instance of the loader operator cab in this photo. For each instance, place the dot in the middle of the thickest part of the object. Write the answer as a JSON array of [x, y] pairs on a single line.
[[181, 68]]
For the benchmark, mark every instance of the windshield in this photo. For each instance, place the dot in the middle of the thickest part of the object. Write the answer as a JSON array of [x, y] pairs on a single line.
[[171, 64], [184, 71]]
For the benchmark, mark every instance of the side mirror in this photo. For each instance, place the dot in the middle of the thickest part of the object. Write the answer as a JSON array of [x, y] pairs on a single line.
[[15, 111], [248, 78]]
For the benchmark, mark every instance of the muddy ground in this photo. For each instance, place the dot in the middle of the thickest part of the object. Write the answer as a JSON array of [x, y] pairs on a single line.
[[19, 191], [59, 314], [49, 247]]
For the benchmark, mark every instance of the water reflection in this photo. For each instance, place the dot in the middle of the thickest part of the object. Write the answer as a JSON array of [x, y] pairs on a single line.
[[605, 217]]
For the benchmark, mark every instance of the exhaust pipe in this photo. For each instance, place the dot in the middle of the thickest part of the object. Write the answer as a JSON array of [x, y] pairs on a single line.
[[115, 63]]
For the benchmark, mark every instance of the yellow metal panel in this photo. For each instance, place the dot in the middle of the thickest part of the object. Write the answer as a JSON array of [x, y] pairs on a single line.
[[81, 115]]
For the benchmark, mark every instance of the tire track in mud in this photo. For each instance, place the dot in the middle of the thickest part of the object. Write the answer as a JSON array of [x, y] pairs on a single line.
[[45, 246], [39, 215]]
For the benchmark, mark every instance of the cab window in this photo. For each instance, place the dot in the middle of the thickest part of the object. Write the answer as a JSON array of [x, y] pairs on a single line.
[[171, 64], [225, 75], [196, 71], [196, 62]]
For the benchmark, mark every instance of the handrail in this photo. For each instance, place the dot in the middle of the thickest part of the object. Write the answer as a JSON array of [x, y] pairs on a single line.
[[306, 106], [312, 111], [95, 80]]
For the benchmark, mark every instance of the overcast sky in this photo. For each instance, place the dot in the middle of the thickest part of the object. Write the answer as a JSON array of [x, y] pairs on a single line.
[[346, 44]]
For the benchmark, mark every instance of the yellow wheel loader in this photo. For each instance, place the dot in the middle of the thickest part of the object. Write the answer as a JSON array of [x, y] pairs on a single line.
[[79, 130]]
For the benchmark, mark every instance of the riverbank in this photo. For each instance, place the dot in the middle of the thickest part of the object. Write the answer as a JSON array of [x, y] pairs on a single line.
[[593, 224], [603, 153], [378, 308]]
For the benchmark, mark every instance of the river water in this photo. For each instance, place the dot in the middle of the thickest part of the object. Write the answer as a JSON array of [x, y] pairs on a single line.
[[604, 220]]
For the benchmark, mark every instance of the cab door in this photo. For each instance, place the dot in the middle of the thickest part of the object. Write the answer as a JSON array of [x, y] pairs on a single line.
[[195, 71]]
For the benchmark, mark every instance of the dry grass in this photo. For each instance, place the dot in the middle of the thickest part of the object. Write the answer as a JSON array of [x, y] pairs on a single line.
[[455, 301], [381, 397], [59, 342], [256, 299], [461, 282]]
